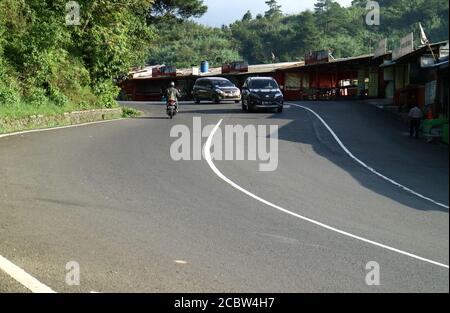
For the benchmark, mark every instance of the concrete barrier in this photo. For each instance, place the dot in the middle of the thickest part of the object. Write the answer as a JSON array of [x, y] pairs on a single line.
[[8, 125]]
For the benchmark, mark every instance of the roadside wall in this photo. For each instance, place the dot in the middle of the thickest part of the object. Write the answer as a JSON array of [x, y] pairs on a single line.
[[39, 121]]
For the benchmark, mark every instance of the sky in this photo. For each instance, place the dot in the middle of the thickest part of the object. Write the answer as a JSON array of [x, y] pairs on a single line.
[[224, 12]]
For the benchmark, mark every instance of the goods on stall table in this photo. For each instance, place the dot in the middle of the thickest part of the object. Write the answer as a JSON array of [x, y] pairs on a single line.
[[433, 128]]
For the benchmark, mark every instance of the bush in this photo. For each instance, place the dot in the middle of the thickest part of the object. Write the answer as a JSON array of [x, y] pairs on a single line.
[[36, 97], [59, 98], [129, 112], [107, 94], [8, 96], [9, 92]]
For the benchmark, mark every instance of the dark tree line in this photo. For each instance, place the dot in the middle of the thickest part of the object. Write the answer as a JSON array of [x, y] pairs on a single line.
[[342, 30]]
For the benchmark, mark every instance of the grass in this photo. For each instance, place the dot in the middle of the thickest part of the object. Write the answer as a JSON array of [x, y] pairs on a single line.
[[130, 112], [21, 110], [15, 114]]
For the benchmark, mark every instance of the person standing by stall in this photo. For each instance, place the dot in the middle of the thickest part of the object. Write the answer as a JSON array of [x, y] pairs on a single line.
[[416, 115]]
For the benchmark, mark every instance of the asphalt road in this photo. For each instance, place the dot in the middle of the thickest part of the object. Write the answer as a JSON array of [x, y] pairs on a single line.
[[110, 197]]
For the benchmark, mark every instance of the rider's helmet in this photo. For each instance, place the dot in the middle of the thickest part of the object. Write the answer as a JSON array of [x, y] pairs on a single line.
[[172, 84]]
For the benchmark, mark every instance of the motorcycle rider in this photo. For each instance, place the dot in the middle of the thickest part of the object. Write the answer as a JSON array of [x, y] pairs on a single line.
[[173, 94]]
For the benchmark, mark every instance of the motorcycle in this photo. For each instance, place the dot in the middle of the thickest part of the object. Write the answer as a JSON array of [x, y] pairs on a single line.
[[171, 108]]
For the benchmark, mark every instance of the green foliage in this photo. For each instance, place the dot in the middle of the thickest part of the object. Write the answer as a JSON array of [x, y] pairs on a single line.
[[274, 9], [247, 16], [186, 44], [8, 96], [114, 37], [9, 91], [36, 97], [45, 62], [339, 29], [182, 9], [129, 112], [401, 16], [106, 92], [59, 98], [48, 67]]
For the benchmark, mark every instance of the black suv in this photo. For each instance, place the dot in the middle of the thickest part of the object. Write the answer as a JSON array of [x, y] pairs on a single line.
[[260, 93], [215, 89]]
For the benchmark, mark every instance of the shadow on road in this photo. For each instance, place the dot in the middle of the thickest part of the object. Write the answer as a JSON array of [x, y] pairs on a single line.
[[151, 118], [211, 111], [379, 141]]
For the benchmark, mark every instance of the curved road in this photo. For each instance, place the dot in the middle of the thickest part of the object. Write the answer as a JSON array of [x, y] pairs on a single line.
[[110, 197]]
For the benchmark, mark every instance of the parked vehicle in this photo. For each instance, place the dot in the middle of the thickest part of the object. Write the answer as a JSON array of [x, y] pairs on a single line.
[[171, 108], [215, 89], [262, 93]]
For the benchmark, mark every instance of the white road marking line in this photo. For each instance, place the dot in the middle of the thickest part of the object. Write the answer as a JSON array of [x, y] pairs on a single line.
[[208, 158], [351, 155], [181, 262], [56, 128], [23, 277]]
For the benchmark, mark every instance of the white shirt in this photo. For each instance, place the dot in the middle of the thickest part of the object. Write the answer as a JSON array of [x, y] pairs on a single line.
[[415, 113]]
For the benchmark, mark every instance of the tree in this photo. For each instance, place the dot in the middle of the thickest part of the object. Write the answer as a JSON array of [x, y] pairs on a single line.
[[58, 64], [322, 6], [182, 9], [330, 15], [274, 9], [187, 43], [341, 29], [247, 16], [307, 35]]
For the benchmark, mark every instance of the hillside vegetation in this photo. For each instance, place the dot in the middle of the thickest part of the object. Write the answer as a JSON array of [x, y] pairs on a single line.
[[257, 39]]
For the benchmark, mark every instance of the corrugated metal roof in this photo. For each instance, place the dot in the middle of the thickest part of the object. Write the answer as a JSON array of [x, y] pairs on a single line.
[[257, 69], [214, 71], [335, 61], [365, 56], [146, 72], [420, 50], [267, 68]]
